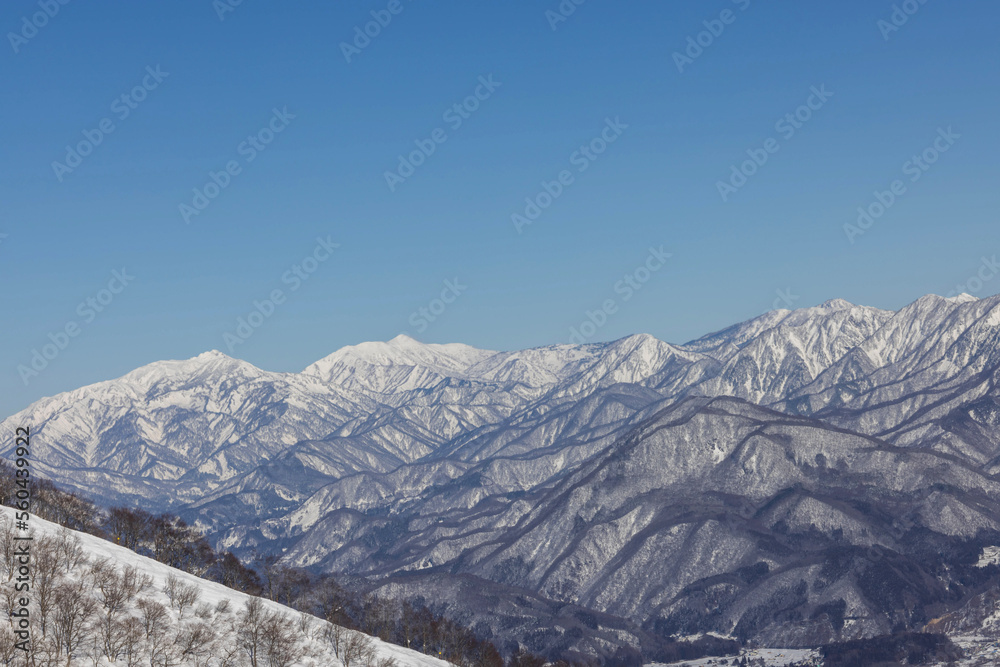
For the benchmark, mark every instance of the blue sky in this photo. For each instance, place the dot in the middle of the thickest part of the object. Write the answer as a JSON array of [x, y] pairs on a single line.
[[201, 91]]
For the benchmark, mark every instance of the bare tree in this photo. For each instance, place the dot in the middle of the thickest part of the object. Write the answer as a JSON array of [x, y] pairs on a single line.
[[486, 655], [8, 650], [336, 636], [46, 576], [8, 567], [289, 584], [382, 614], [135, 582], [357, 649], [98, 573], [42, 651], [427, 629], [281, 647], [153, 615], [162, 649], [407, 623], [114, 591], [70, 551], [72, 614], [8, 564], [128, 527], [250, 629], [179, 545], [181, 595], [8, 483], [305, 624], [232, 573], [187, 595], [458, 643], [195, 642], [154, 620], [66, 509], [229, 655], [269, 566], [332, 601], [132, 647], [203, 611], [170, 588], [111, 636]]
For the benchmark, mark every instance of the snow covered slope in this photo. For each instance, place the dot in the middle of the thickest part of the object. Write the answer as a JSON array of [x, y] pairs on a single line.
[[213, 618]]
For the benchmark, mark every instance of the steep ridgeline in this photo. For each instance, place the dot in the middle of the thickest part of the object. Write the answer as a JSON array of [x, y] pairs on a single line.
[[803, 477]]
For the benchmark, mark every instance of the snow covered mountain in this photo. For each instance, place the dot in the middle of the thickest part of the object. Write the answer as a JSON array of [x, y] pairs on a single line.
[[758, 481]]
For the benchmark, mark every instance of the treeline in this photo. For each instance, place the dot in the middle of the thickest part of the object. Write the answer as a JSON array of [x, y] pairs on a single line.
[[903, 648], [169, 540]]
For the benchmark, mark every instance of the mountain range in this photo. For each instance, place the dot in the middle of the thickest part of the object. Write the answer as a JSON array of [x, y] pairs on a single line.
[[807, 476]]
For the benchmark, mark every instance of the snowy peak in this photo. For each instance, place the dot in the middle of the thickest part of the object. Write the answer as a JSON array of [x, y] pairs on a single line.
[[726, 342], [536, 367], [930, 321], [402, 340], [202, 367], [399, 364], [404, 364], [403, 350], [961, 298], [645, 353], [836, 304], [773, 357]]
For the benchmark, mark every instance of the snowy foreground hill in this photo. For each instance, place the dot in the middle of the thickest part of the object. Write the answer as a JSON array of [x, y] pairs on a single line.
[[98, 599], [811, 476]]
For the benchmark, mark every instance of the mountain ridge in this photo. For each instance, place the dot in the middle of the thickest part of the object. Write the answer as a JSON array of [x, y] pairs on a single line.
[[794, 437]]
